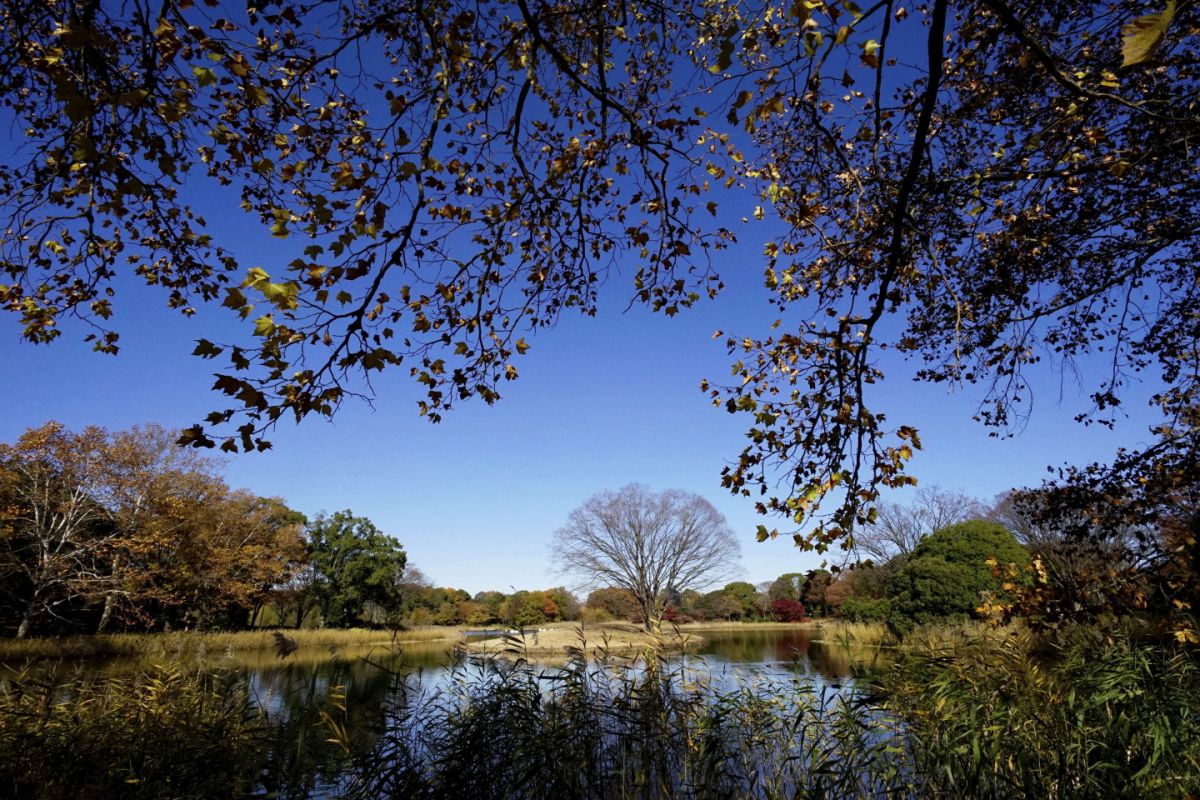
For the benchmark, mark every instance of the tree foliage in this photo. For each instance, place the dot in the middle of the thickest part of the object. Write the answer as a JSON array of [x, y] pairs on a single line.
[[353, 564], [102, 527], [787, 586], [950, 571], [979, 187], [451, 177], [787, 610]]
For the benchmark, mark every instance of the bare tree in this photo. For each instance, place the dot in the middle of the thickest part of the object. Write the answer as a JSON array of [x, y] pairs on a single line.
[[1019, 511], [899, 529], [648, 544]]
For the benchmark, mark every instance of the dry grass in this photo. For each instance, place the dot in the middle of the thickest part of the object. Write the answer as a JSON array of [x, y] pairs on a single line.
[[612, 638], [186, 644], [857, 633]]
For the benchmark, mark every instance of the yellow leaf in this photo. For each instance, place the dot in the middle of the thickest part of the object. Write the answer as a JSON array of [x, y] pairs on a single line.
[[1141, 37]]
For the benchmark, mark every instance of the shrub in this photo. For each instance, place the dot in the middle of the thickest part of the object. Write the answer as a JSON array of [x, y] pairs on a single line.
[[866, 609], [947, 573], [591, 616], [788, 610]]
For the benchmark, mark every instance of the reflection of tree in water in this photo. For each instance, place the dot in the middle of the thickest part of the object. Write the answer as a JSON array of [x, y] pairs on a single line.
[[758, 646], [301, 760], [801, 648]]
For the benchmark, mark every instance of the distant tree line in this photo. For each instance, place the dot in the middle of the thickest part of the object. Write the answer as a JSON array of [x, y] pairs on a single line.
[[124, 531], [949, 556]]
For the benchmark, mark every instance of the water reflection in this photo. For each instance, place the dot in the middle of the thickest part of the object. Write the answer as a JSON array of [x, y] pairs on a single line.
[[360, 689]]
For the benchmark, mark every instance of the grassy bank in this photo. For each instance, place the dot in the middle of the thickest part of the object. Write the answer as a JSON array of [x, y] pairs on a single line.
[[185, 645]]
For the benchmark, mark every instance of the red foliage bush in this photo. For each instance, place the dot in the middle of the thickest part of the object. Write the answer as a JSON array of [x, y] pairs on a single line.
[[789, 610]]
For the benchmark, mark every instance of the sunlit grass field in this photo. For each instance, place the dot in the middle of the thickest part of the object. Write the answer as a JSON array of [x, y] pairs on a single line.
[[187, 644]]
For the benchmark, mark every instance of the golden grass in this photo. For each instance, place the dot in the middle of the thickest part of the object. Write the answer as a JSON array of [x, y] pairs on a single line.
[[948, 637], [187, 644], [858, 633], [609, 638]]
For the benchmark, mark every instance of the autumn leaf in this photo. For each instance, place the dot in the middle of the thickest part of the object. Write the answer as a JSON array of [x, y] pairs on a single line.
[[1141, 37]]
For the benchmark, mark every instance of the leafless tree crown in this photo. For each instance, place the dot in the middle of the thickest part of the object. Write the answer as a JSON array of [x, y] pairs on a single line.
[[899, 529], [648, 543]]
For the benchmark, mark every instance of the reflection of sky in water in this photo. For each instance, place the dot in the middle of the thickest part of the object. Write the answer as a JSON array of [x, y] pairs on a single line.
[[376, 683], [729, 660]]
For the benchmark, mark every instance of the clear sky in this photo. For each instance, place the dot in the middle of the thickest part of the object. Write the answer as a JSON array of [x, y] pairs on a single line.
[[600, 403]]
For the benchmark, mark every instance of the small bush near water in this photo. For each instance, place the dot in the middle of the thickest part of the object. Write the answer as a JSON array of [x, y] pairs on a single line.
[[986, 716]]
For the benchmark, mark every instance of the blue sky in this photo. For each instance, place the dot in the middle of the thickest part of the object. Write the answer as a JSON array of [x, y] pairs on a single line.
[[600, 403]]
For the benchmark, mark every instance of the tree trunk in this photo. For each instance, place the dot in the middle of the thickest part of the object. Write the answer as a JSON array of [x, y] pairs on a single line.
[[109, 597], [27, 617], [23, 628], [106, 614], [651, 618]]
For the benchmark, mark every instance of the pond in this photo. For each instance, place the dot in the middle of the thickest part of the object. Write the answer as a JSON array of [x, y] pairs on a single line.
[[367, 675], [369, 686], [324, 712]]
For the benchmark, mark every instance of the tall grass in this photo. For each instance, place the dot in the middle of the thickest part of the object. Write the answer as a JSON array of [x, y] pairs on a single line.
[[961, 714], [186, 644], [857, 633], [1095, 716], [164, 733], [638, 730]]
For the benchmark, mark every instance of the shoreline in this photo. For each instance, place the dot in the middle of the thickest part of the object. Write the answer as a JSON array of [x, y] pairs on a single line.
[[621, 637], [596, 640]]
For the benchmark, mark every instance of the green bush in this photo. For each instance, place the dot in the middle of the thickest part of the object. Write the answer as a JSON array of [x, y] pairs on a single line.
[[948, 573], [866, 609]]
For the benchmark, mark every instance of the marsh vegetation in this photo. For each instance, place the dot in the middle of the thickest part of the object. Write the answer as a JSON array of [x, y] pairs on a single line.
[[762, 712]]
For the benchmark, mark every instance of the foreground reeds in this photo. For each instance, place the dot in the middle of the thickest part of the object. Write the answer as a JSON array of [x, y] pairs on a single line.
[[954, 714], [1097, 715], [167, 732]]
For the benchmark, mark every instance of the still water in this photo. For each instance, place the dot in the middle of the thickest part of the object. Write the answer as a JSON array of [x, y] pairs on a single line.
[[728, 656], [365, 689], [366, 686]]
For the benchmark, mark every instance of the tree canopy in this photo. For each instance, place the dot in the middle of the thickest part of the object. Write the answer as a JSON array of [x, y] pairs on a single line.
[[978, 186], [651, 544], [948, 573], [353, 564], [101, 528]]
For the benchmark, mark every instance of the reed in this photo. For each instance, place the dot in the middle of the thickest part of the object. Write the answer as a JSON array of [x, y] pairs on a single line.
[[629, 729], [166, 732], [187, 644], [857, 633], [967, 712], [1004, 715]]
